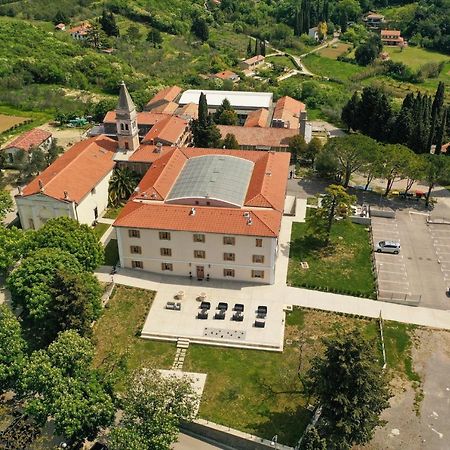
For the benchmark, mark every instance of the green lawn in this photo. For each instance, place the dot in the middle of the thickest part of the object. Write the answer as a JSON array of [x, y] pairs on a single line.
[[344, 266], [119, 349], [111, 253], [331, 68], [415, 57], [284, 61], [335, 50], [100, 229], [254, 391]]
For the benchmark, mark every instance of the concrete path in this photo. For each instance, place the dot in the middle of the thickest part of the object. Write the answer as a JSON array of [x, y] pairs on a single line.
[[326, 301]]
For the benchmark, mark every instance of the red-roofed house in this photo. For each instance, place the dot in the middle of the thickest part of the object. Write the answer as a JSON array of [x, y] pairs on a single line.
[[206, 213], [80, 32], [170, 131], [227, 75], [391, 37], [258, 118], [167, 95], [287, 113], [75, 185], [30, 140]]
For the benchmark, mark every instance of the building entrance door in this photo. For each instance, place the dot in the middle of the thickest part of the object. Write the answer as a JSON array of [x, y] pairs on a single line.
[[200, 272]]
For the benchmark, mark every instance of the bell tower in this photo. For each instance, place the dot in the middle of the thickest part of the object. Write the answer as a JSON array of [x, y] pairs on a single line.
[[127, 129]]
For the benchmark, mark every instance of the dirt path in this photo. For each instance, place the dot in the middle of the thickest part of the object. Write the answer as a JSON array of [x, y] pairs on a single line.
[[429, 430]]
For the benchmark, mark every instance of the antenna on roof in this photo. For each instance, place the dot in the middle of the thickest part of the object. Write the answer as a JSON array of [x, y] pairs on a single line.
[[66, 195], [19, 190], [41, 185], [192, 212], [249, 221], [158, 147]]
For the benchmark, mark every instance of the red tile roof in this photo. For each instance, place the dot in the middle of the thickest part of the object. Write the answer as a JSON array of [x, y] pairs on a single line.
[[254, 60], [30, 139], [163, 216], [168, 131], [257, 118], [259, 137], [163, 108], [80, 29], [288, 110], [143, 118], [77, 171], [225, 75], [190, 110], [266, 192], [169, 94], [386, 33]]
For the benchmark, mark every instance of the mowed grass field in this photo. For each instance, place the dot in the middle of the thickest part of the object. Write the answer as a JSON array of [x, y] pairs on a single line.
[[335, 50], [254, 391], [331, 68], [415, 57], [344, 266], [7, 122]]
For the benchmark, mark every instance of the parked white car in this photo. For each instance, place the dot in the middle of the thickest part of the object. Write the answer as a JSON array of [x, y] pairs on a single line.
[[388, 247]]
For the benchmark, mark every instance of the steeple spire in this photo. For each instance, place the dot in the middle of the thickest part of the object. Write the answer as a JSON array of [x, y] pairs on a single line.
[[125, 100], [126, 122]]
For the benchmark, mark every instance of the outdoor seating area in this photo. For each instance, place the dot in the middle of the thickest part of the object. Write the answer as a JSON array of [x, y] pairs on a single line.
[[247, 320]]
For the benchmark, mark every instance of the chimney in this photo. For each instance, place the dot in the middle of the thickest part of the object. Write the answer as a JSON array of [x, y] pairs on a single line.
[[192, 212], [41, 185], [158, 147], [66, 195]]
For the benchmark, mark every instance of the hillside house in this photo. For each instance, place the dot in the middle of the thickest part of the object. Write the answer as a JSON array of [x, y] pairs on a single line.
[[80, 32], [391, 38], [227, 75], [374, 21], [253, 62]]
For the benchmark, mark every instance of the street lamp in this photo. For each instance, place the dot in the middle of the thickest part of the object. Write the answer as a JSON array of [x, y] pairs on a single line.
[[274, 442]]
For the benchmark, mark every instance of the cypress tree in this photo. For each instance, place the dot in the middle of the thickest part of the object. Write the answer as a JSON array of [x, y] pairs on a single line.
[[440, 133], [436, 112], [257, 47], [249, 48], [202, 110], [263, 48], [297, 26], [349, 113]]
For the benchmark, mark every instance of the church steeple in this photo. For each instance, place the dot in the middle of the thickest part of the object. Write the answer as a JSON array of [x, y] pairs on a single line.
[[126, 122]]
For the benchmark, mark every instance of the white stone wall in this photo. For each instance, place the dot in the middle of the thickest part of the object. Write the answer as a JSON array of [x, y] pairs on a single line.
[[35, 210], [182, 245]]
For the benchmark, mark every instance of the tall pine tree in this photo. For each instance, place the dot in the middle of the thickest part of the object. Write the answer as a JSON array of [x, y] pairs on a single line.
[[436, 112]]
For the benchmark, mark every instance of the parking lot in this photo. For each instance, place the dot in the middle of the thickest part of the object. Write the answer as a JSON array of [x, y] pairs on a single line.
[[421, 271]]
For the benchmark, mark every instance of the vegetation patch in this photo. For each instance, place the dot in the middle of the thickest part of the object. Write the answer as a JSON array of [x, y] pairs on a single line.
[[111, 253], [335, 50], [415, 57], [112, 213], [344, 266], [100, 229], [119, 349]]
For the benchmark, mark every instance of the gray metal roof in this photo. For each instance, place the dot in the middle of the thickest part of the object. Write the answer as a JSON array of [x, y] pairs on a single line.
[[219, 177]]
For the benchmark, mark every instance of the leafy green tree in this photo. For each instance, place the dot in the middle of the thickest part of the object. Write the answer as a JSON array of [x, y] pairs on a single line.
[[30, 282], [326, 165], [368, 51], [414, 171], [225, 114], [154, 36], [95, 37], [77, 239], [200, 28], [394, 162], [350, 153], [313, 149], [53, 152], [350, 112], [108, 23], [133, 33], [354, 397], [60, 17], [12, 349], [335, 203], [101, 108], [231, 142], [122, 184], [297, 147], [153, 407], [312, 440], [6, 203], [437, 167], [60, 383], [37, 162], [14, 244]]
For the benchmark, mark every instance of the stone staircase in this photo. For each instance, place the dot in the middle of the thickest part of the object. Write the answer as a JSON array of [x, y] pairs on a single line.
[[182, 347]]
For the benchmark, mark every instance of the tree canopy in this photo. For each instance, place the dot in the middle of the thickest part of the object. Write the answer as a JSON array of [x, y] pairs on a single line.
[[353, 398], [77, 239], [59, 383], [12, 349], [153, 407], [6, 203]]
